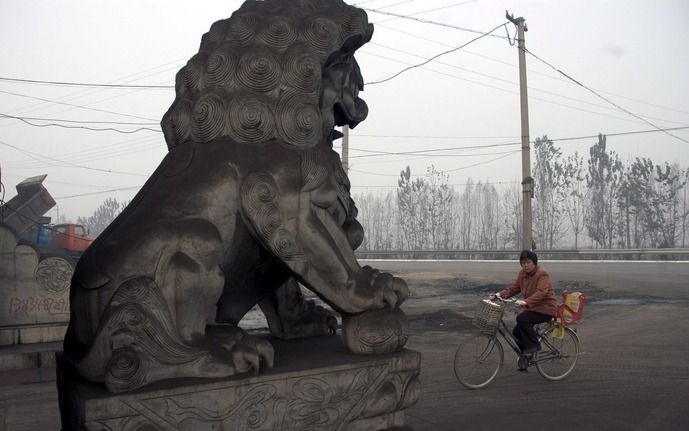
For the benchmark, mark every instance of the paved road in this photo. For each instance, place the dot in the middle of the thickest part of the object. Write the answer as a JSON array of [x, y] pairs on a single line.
[[632, 375]]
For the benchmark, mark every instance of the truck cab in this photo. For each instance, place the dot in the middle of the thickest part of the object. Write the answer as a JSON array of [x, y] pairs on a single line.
[[71, 237]]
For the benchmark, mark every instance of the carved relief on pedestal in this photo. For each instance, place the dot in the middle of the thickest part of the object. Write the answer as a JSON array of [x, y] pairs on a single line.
[[320, 402]]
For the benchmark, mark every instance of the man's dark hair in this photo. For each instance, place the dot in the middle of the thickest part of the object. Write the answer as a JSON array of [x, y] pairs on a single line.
[[530, 255]]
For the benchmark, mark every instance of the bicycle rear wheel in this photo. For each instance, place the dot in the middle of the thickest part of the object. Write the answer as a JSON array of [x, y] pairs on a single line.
[[478, 360], [559, 355]]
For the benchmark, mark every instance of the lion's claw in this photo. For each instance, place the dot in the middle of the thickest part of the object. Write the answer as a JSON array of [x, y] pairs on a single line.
[[390, 298], [401, 289], [247, 353], [386, 290]]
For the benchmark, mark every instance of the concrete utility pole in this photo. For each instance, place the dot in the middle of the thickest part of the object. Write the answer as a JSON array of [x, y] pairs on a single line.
[[345, 148], [527, 180]]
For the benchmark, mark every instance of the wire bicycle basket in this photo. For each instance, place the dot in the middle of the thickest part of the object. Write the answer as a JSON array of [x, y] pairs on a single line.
[[487, 316]]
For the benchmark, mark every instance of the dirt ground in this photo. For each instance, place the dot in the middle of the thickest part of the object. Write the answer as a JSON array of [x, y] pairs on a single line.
[[633, 373]]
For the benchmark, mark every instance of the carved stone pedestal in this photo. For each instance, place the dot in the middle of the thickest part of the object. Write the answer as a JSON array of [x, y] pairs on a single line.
[[315, 385]]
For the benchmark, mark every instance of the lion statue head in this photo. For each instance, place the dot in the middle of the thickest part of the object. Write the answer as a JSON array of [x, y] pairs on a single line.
[[270, 63]]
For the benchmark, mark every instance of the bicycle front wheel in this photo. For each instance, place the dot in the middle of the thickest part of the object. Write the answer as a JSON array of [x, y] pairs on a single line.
[[559, 355], [478, 360]]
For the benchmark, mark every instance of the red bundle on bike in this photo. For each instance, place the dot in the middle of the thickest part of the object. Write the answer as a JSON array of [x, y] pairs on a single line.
[[572, 308]]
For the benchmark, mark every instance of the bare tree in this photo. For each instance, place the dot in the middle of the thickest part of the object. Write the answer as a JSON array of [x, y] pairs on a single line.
[[665, 204], [633, 200], [439, 209], [466, 215], [549, 180], [477, 216], [487, 216], [512, 213], [603, 180], [411, 199], [685, 208], [640, 205], [378, 215], [102, 217], [573, 194]]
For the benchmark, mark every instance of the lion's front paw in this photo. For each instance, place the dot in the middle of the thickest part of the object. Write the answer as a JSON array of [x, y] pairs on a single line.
[[394, 290], [248, 352], [387, 290]]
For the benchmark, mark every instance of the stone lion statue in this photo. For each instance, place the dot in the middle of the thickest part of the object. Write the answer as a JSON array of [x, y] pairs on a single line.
[[250, 199]]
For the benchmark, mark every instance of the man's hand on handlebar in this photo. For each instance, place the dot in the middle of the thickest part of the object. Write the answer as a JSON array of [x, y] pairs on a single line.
[[520, 303]]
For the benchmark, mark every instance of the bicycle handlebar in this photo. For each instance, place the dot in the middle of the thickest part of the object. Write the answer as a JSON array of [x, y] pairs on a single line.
[[499, 298]]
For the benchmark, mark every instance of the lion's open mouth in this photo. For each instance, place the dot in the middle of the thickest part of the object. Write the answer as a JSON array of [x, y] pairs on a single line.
[[350, 110], [341, 117]]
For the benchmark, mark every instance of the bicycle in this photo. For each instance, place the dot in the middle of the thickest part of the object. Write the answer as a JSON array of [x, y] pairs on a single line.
[[479, 359]]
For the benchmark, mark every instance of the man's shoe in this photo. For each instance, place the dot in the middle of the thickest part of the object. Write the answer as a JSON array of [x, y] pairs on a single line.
[[522, 363]]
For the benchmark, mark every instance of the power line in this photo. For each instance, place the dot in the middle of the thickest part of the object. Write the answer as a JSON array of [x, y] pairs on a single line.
[[621, 133], [425, 152], [375, 153], [461, 155], [38, 157], [103, 151], [485, 75], [449, 170], [631, 132], [143, 144], [434, 57], [451, 185], [416, 36], [425, 11], [394, 4], [515, 92], [127, 78], [131, 86], [484, 162], [99, 193], [64, 126], [83, 84], [98, 154], [63, 120], [362, 2], [89, 157], [402, 153], [364, 135], [70, 184], [505, 90], [603, 97], [419, 157], [427, 21], [76, 106]]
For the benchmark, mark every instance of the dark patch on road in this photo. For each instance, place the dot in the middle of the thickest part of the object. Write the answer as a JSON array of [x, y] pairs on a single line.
[[443, 320]]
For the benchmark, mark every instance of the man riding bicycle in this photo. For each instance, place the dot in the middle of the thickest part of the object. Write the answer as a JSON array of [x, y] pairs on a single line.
[[539, 303]]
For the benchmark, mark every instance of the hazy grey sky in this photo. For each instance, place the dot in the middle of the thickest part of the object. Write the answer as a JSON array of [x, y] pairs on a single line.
[[633, 52]]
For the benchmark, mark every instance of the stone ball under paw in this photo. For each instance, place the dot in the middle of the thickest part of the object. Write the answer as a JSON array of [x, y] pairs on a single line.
[[375, 331]]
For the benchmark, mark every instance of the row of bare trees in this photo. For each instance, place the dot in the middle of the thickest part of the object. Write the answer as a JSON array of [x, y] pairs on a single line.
[[599, 202], [102, 217]]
